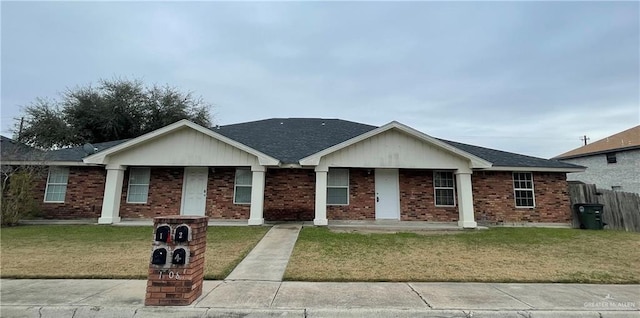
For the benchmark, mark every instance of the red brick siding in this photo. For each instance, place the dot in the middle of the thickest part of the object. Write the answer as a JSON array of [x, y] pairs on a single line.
[[220, 190], [361, 198], [494, 198], [417, 201], [85, 189], [289, 195], [165, 194]]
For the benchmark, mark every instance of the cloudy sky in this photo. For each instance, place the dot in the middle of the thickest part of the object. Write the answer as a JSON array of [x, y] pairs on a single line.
[[526, 77]]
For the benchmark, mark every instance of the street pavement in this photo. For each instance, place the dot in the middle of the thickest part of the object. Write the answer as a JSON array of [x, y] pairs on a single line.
[[255, 289]]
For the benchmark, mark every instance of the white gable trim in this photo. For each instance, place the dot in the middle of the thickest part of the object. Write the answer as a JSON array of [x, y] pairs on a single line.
[[100, 157], [476, 162]]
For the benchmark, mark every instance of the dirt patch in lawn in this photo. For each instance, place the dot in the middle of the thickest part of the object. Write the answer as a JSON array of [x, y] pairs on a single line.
[[495, 255], [98, 251]]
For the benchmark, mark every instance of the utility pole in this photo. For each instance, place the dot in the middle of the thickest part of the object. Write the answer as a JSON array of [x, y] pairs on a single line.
[[585, 139], [20, 129]]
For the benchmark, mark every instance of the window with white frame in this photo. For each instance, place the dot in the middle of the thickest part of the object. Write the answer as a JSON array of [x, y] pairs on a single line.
[[56, 184], [523, 189], [444, 189], [338, 187], [242, 189], [138, 191]]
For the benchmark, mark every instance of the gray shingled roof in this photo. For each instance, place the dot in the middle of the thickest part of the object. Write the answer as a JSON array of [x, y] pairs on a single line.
[[78, 153], [291, 139], [11, 150], [501, 158]]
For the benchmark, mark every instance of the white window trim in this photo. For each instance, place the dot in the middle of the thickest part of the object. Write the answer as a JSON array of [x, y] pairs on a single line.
[[533, 192], [129, 185], [435, 188], [235, 186], [46, 191], [339, 187]]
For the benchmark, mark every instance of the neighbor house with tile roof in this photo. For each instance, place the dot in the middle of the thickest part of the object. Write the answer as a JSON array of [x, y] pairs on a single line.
[[612, 163], [309, 169]]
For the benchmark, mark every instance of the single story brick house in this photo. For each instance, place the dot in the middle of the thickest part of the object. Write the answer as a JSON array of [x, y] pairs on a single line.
[[302, 169]]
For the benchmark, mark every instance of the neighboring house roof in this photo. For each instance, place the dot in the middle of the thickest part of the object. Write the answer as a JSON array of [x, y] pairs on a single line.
[[625, 140], [291, 139]]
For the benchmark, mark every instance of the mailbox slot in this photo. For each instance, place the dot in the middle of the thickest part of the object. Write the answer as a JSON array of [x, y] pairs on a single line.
[[182, 234], [180, 256], [163, 233], [159, 256]]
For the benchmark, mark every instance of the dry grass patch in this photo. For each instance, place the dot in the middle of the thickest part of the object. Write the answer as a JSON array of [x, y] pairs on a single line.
[[495, 255], [97, 251]]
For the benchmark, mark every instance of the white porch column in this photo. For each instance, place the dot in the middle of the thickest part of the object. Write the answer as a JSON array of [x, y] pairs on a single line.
[[112, 193], [465, 200], [257, 196], [321, 197]]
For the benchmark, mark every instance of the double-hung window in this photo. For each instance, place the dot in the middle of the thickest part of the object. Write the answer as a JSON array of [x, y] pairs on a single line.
[[338, 187], [138, 191], [242, 189], [56, 184], [444, 189], [523, 189]]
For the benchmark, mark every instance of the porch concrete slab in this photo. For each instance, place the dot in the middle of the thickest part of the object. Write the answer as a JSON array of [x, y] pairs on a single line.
[[240, 294], [346, 295], [56, 291], [268, 260], [467, 296], [542, 296]]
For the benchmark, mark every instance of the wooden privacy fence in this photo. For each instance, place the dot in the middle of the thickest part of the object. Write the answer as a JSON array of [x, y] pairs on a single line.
[[621, 209]]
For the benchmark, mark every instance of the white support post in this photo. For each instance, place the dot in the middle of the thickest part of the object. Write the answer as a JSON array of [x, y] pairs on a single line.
[[112, 193], [465, 201], [257, 196], [321, 197]]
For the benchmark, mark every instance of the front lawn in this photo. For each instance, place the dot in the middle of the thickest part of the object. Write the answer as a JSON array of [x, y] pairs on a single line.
[[100, 251], [494, 255]]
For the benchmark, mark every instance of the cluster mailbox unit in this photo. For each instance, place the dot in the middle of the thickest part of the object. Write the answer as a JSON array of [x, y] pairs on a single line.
[[176, 267]]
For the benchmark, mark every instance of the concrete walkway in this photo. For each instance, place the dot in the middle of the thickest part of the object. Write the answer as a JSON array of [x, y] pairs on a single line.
[[268, 260], [125, 298]]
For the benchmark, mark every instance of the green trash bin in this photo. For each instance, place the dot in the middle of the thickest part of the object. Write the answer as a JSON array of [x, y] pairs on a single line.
[[590, 215]]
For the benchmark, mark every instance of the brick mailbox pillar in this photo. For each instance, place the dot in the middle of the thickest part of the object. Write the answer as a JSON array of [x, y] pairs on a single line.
[[176, 265]]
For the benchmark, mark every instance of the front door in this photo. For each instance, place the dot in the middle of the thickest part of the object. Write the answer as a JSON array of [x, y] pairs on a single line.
[[194, 191], [387, 194]]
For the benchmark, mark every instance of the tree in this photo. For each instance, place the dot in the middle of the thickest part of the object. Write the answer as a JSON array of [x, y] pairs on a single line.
[[115, 109]]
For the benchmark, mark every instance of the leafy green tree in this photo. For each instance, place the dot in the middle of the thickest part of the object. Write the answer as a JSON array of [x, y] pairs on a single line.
[[114, 109]]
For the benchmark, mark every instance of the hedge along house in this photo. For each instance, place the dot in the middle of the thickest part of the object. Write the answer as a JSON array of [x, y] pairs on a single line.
[[305, 169]]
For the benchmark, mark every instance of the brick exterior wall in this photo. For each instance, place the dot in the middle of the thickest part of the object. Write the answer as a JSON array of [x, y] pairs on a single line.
[[165, 194], [494, 198], [417, 200], [220, 196], [290, 195], [85, 189], [362, 194]]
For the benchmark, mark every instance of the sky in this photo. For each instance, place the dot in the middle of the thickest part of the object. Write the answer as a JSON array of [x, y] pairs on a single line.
[[524, 77]]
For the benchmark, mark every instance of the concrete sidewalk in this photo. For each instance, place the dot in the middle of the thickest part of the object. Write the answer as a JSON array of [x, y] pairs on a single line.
[[125, 298], [268, 260]]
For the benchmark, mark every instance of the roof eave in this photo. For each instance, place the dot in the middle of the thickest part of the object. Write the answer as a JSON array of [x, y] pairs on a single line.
[[535, 169], [46, 163]]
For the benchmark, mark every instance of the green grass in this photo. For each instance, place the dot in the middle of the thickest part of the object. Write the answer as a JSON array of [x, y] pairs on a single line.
[[98, 251], [495, 255]]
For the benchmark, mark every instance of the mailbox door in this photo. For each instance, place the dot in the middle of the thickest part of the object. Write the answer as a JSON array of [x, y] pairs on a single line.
[[179, 256], [183, 234], [159, 256], [163, 233]]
